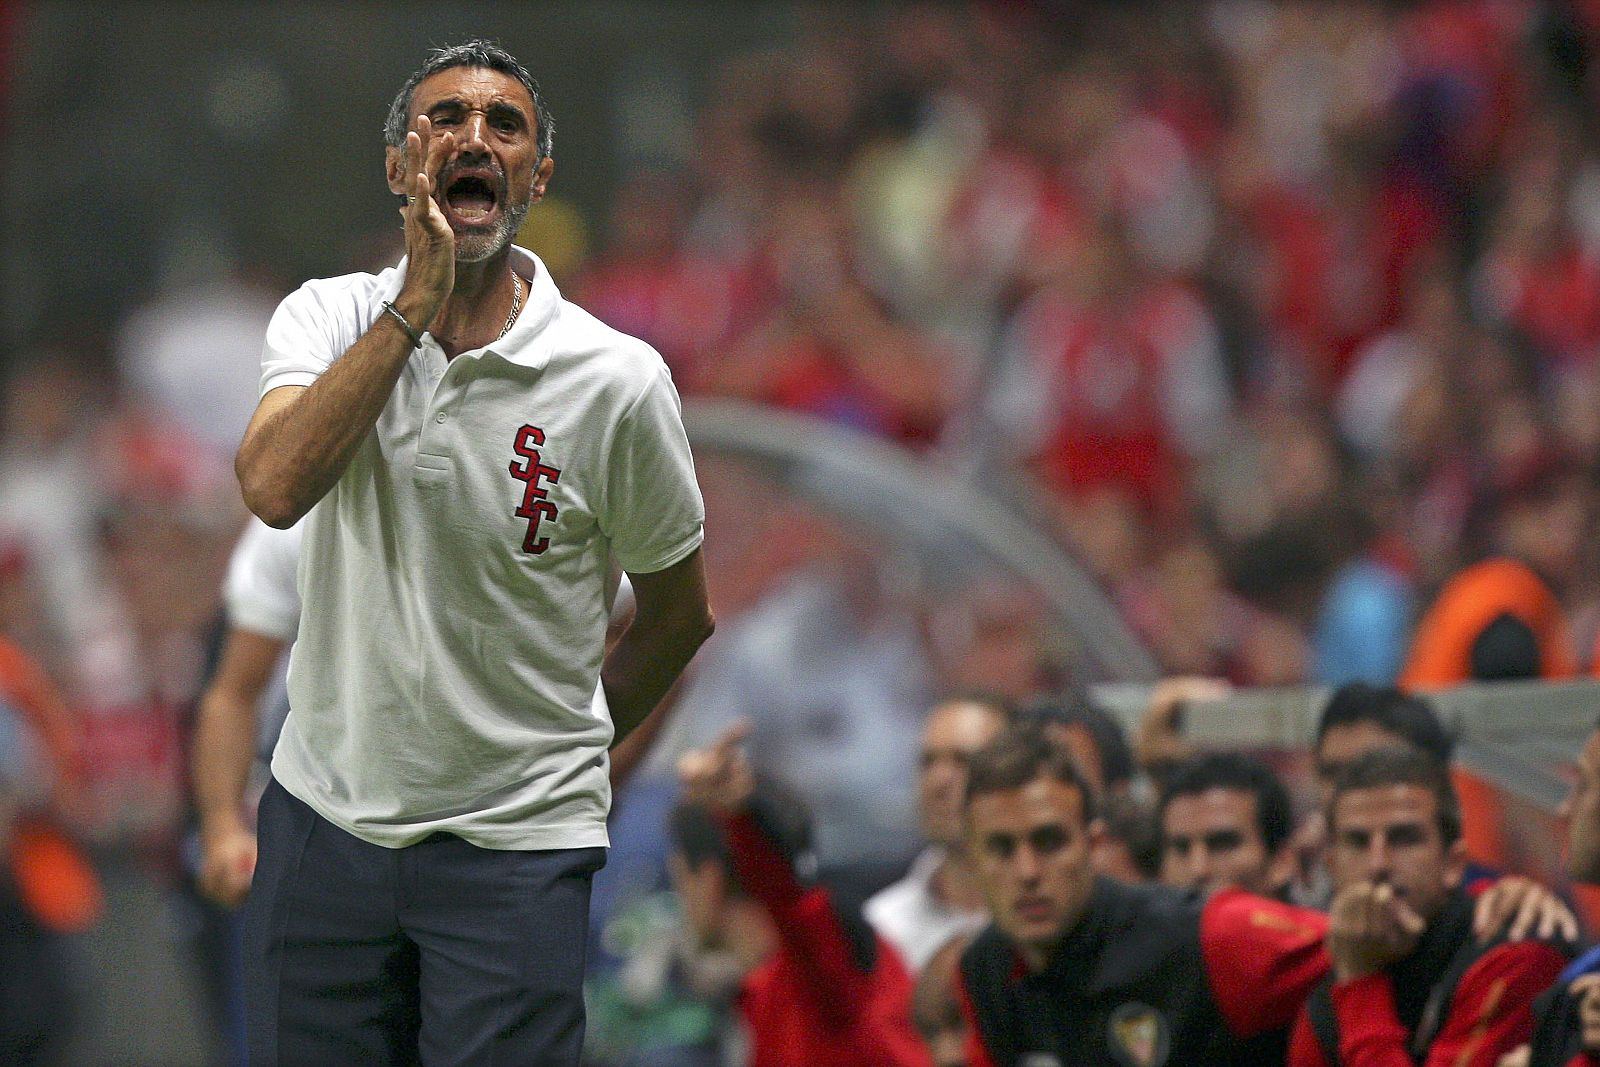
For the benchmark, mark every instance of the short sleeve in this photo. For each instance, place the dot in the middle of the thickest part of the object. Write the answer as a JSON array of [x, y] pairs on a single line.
[[653, 513], [261, 589], [300, 342]]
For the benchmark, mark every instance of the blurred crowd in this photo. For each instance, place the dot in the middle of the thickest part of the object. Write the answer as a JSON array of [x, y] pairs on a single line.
[[1279, 313], [1283, 317]]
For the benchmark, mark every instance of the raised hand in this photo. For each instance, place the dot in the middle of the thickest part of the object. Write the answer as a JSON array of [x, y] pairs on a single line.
[[430, 243], [1582, 810], [1523, 909], [719, 777], [1369, 927]]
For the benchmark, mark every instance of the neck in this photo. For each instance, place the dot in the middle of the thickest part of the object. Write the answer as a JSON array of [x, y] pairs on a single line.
[[476, 310]]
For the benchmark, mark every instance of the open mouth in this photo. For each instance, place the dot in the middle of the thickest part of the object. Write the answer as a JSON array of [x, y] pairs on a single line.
[[471, 199]]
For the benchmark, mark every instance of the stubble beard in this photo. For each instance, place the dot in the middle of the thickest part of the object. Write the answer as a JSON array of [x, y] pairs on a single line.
[[477, 247]]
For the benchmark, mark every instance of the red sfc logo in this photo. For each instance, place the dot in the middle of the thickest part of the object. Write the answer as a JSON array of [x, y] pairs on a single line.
[[536, 506]]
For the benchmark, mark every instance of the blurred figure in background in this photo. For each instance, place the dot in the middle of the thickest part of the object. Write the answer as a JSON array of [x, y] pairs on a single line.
[[1410, 976], [938, 899], [815, 983], [1226, 821], [48, 892]]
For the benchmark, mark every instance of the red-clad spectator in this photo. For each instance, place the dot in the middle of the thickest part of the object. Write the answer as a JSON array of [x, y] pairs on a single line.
[[832, 348], [1113, 379], [1411, 982], [818, 986], [683, 301]]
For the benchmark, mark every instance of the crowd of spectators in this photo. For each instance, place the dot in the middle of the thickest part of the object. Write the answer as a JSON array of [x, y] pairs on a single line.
[[1279, 315]]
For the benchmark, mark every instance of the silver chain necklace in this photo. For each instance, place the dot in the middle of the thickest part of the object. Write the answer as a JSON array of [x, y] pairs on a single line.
[[516, 305]]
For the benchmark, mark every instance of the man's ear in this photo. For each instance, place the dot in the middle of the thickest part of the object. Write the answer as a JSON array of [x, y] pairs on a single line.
[[1281, 867], [541, 178], [1455, 864], [394, 169]]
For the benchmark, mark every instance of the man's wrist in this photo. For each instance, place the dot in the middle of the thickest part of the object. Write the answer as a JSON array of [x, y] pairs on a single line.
[[217, 824], [417, 309]]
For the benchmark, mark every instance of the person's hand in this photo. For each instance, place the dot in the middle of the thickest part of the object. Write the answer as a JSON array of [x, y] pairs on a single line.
[[1582, 811], [1160, 741], [719, 778], [1523, 909], [1369, 927], [227, 864], [430, 243], [1587, 989], [1520, 1056]]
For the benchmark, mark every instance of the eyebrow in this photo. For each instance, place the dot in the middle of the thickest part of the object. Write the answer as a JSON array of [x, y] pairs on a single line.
[[498, 108]]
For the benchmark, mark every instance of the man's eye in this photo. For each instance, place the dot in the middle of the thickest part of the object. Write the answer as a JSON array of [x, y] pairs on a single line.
[[1226, 841], [1048, 839]]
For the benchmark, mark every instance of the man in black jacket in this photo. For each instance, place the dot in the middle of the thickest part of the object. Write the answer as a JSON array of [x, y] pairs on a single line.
[[1079, 970]]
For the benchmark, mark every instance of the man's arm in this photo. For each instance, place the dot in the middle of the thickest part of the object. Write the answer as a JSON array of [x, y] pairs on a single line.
[[671, 620], [1489, 1015], [224, 744], [302, 438], [1262, 959], [721, 779]]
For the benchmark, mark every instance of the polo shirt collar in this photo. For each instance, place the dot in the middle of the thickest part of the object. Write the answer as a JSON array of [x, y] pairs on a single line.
[[525, 344]]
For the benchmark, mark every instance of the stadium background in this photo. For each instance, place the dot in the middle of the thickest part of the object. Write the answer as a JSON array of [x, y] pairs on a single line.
[[1025, 344]]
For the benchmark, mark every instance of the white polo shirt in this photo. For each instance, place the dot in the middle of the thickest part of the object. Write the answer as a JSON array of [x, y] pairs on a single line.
[[262, 588], [456, 581], [262, 596]]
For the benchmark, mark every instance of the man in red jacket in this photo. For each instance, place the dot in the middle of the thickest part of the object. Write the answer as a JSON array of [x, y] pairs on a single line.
[[819, 986], [1410, 983]]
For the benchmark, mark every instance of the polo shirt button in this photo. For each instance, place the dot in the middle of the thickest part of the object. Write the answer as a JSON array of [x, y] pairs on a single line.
[[439, 417]]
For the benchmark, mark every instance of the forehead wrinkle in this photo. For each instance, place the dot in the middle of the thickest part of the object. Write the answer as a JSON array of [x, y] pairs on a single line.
[[496, 103]]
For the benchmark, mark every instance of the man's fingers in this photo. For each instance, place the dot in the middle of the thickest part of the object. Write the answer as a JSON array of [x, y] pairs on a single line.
[[1528, 916], [413, 158], [438, 151], [1411, 923], [1487, 913]]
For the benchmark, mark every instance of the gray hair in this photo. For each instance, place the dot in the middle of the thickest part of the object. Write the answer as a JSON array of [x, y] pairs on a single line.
[[474, 53]]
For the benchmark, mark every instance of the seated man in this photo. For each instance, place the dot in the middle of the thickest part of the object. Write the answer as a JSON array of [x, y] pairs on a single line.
[[1225, 821], [818, 987], [1080, 970], [938, 899], [1410, 981]]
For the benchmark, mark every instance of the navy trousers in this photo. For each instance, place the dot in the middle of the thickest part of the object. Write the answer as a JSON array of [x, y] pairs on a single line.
[[440, 953]]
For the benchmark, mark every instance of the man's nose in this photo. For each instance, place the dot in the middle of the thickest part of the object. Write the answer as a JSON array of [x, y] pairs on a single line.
[[1378, 859], [469, 138], [1027, 863]]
